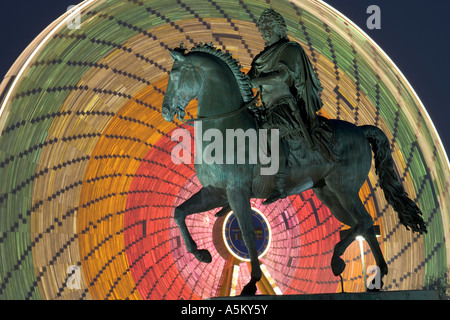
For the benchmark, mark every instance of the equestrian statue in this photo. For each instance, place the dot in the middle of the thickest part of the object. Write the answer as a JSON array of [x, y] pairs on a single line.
[[331, 157]]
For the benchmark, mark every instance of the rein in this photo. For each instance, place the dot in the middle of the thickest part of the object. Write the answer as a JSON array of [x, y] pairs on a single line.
[[225, 115]]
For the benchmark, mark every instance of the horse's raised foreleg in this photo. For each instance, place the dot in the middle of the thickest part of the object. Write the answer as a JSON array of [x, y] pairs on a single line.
[[239, 201], [204, 200]]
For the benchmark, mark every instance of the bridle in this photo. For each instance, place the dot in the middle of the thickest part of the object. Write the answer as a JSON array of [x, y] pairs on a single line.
[[220, 116]]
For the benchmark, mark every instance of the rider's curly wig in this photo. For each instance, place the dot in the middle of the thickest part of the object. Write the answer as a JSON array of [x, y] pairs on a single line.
[[276, 18]]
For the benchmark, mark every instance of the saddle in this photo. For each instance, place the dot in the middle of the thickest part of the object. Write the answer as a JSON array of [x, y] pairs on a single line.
[[322, 136]]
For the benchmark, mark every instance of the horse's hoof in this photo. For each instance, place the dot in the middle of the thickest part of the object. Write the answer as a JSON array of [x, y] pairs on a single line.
[[203, 255], [374, 286], [337, 265], [249, 289]]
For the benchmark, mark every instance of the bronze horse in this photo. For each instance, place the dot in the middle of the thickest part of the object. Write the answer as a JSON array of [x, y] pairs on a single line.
[[223, 91]]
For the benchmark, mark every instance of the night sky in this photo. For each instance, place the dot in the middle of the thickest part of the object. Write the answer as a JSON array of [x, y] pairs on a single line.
[[414, 34]]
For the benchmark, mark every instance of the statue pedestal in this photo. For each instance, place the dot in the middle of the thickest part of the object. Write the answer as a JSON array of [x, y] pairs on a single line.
[[381, 295]]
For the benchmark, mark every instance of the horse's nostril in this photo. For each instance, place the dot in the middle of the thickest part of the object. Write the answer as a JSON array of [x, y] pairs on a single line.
[[165, 110]]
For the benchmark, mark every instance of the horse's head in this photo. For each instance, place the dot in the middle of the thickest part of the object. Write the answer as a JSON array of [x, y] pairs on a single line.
[[183, 86]]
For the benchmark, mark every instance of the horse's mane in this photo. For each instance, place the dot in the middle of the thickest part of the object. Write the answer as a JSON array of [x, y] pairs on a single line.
[[234, 65]]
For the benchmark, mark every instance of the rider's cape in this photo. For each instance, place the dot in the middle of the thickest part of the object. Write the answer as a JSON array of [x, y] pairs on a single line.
[[306, 86]]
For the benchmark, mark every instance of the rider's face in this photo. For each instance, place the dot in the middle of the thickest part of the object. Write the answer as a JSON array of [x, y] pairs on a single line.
[[269, 31]]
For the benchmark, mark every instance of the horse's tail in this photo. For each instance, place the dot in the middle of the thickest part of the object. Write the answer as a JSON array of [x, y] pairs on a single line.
[[408, 212]]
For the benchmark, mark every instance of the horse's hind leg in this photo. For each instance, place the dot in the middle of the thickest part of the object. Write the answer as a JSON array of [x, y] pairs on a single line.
[[340, 213], [356, 216], [204, 200], [371, 239], [363, 221]]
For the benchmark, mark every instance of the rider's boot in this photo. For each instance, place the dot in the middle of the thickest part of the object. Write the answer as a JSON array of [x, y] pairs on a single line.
[[280, 177]]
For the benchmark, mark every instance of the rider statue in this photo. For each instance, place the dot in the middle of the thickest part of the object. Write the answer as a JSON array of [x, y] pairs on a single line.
[[289, 90]]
